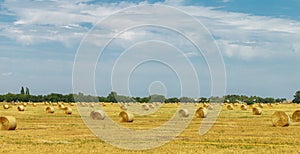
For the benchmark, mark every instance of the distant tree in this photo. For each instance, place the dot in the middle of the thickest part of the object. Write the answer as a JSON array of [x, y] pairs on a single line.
[[112, 97], [157, 98], [297, 97], [172, 100], [268, 100], [22, 91], [27, 91]]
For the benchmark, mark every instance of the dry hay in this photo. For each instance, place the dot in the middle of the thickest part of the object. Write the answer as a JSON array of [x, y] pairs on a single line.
[[145, 107], [97, 115], [21, 108], [68, 110], [201, 112], [91, 105], [24, 104], [244, 107], [72, 104], [34, 104], [61, 106], [123, 107], [296, 116], [261, 105], [103, 104], [8, 123], [183, 112], [229, 107], [50, 109], [5, 106], [196, 104], [270, 105], [151, 106], [126, 117], [210, 107], [205, 105], [256, 111], [281, 119]]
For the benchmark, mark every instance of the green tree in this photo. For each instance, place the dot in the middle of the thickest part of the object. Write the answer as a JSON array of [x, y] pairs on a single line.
[[22, 90], [297, 97], [112, 97], [27, 91]]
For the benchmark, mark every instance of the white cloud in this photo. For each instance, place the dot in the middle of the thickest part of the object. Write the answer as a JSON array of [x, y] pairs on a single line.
[[6, 74], [239, 35]]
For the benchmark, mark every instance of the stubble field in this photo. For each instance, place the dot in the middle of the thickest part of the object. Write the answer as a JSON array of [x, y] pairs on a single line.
[[235, 131]]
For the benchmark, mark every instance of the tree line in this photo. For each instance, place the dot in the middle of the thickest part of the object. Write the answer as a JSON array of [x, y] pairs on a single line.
[[25, 96]]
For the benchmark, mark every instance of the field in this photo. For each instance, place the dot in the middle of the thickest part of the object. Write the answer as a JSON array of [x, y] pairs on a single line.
[[235, 131]]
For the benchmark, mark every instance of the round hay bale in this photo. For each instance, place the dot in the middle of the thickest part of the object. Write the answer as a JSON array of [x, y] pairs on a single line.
[[126, 117], [145, 107], [34, 104], [210, 107], [92, 105], [205, 105], [296, 116], [261, 105], [244, 107], [256, 111], [50, 109], [68, 110], [21, 108], [5, 106], [123, 107], [8, 123], [103, 104], [61, 106], [24, 104], [281, 119], [183, 112], [151, 106], [229, 107], [72, 104], [201, 112], [97, 115], [196, 104]]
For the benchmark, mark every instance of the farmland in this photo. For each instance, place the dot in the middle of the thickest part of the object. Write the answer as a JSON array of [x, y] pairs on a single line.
[[235, 131]]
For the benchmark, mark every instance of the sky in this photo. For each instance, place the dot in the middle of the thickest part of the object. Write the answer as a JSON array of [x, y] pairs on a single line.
[[258, 41]]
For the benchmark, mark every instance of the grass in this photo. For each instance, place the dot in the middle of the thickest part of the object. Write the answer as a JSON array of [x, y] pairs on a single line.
[[235, 131]]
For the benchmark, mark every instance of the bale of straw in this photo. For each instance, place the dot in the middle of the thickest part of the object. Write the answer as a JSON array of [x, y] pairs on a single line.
[[126, 117], [244, 107], [151, 106], [281, 119], [123, 107], [205, 105], [68, 110], [183, 112], [210, 107], [24, 104], [62, 107], [21, 108], [296, 116], [229, 107], [50, 109], [145, 107], [91, 105], [196, 104], [261, 105], [72, 104], [34, 104], [5, 106], [256, 111], [201, 112], [103, 104], [97, 115], [8, 123]]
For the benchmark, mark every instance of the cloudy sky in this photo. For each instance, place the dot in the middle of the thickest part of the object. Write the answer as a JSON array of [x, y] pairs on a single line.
[[258, 41]]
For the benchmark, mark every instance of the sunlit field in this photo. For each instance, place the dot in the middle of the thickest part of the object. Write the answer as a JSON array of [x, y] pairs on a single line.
[[235, 131]]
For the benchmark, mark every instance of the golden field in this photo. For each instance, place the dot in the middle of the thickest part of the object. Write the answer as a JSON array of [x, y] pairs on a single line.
[[235, 131]]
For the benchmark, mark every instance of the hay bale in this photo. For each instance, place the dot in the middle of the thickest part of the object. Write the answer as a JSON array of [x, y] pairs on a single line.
[[261, 105], [256, 111], [145, 107], [296, 116], [8, 123], [91, 105], [126, 117], [281, 119], [210, 107], [97, 115], [183, 112], [34, 104], [229, 107], [244, 107], [123, 107], [151, 106], [201, 112], [50, 109], [68, 110], [205, 105], [21, 108], [61, 106], [5, 106], [24, 104]]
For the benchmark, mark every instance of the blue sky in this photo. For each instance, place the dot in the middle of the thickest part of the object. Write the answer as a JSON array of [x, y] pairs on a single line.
[[258, 40]]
